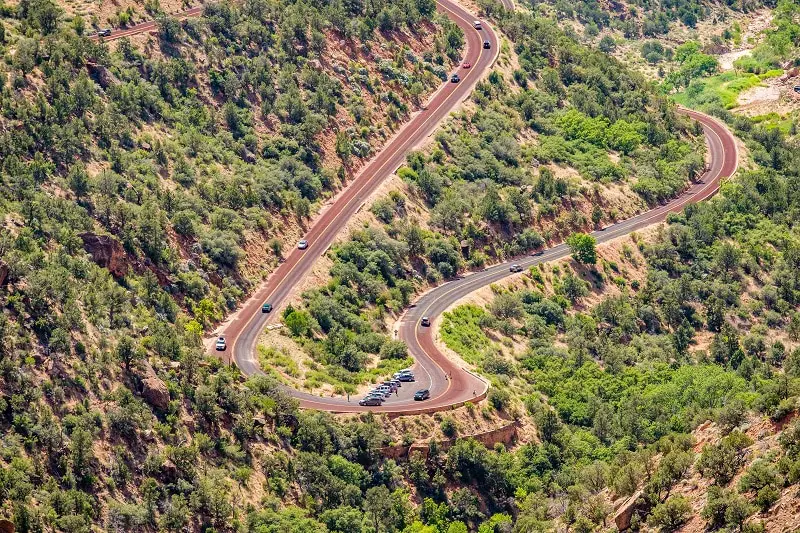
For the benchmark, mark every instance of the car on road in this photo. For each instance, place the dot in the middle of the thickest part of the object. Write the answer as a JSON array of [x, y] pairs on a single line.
[[425, 321], [266, 308], [421, 395], [515, 268], [370, 402], [540, 252], [477, 24], [303, 244], [455, 78], [221, 345], [487, 45], [466, 64], [105, 32], [796, 88]]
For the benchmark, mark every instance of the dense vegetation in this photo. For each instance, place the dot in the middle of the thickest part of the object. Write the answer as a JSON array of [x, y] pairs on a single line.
[[611, 385], [212, 135], [639, 18], [163, 161], [160, 150], [493, 193]]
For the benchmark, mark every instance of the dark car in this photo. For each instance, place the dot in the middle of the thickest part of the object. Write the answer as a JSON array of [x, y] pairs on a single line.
[[797, 88], [266, 308], [105, 32], [515, 268], [423, 394], [455, 78], [405, 377], [487, 44], [370, 401], [425, 321], [540, 252]]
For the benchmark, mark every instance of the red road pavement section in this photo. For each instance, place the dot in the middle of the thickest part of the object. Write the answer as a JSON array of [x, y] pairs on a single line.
[[461, 386], [242, 333], [145, 26], [449, 383]]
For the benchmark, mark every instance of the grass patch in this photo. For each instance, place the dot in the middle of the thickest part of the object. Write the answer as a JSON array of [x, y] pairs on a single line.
[[723, 89], [271, 359], [774, 120], [462, 332]]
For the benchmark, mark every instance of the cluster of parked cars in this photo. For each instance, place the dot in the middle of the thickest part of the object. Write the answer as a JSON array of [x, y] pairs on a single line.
[[379, 394]]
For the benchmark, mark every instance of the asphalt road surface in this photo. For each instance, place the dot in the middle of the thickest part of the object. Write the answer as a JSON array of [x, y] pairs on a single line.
[[243, 332], [448, 382], [146, 26]]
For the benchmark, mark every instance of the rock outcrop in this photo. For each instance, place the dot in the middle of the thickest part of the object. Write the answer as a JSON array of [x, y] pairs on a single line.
[[624, 514], [154, 391], [107, 252]]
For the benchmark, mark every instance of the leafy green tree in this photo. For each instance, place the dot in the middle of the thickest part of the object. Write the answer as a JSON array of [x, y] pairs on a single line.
[[670, 515], [583, 248]]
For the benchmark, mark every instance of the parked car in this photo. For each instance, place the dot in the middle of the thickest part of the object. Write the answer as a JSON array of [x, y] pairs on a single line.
[[421, 395], [383, 389], [370, 402], [221, 344], [797, 88], [425, 321], [405, 377], [487, 45], [105, 32], [303, 244], [392, 386], [515, 268], [477, 24], [266, 308], [455, 78]]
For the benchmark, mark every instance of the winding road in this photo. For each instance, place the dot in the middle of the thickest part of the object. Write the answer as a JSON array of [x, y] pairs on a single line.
[[449, 383]]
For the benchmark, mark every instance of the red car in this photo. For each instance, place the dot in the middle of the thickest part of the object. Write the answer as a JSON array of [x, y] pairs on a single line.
[[466, 64]]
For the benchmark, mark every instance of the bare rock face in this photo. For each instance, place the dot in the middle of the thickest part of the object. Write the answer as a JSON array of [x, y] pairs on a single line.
[[624, 514], [169, 472], [154, 391], [107, 252]]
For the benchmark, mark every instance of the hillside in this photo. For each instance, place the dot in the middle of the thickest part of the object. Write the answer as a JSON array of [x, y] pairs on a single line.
[[148, 184], [569, 140], [145, 185], [620, 360]]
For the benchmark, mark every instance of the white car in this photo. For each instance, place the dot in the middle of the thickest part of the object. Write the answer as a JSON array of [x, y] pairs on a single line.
[[221, 344], [303, 244], [477, 25], [384, 389]]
